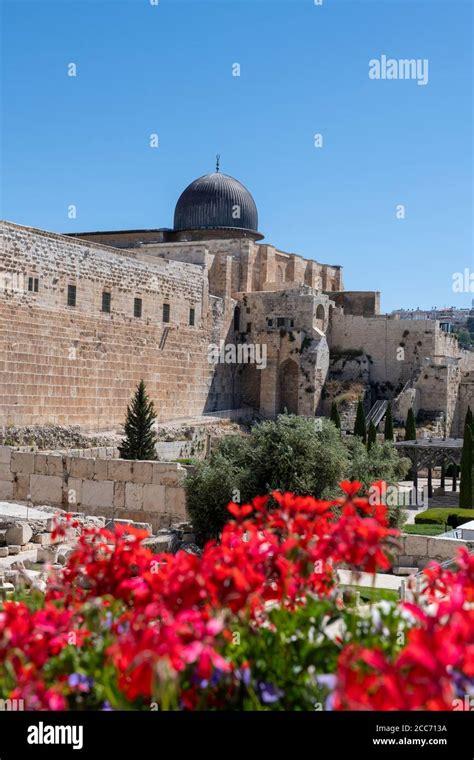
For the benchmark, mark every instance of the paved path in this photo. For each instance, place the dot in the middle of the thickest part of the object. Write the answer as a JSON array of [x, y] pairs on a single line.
[[379, 580]]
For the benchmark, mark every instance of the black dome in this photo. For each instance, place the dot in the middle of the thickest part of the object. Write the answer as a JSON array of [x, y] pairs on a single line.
[[211, 202]]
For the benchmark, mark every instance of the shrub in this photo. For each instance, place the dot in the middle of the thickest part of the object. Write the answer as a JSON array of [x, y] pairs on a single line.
[[451, 516], [466, 488], [288, 454]]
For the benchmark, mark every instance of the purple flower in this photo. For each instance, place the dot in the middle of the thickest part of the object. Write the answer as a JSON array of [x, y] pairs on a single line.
[[269, 694], [243, 674], [80, 682]]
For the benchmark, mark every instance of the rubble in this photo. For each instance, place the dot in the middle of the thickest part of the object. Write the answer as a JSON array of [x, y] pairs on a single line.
[[28, 550]]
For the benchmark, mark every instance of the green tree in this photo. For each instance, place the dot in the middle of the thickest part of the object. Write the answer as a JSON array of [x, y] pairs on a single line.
[[334, 417], [289, 454], [382, 462], [372, 435], [140, 438], [469, 418], [466, 487], [388, 428], [410, 426], [360, 427]]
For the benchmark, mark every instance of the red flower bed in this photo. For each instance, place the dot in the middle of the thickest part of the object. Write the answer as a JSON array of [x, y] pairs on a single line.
[[244, 626]]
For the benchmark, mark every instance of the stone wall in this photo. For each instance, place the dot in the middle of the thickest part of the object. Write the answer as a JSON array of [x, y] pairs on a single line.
[[77, 365], [358, 303], [419, 551], [142, 491]]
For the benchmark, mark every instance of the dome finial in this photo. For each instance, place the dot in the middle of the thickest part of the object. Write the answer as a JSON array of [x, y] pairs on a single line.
[[218, 159]]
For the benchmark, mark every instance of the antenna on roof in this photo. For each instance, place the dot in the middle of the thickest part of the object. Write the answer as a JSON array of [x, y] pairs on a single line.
[[218, 159]]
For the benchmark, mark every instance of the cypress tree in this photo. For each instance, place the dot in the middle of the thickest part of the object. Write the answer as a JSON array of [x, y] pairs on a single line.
[[388, 429], [360, 427], [466, 488], [469, 418], [410, 426], [334, 416], [372, 436], [140, 438]]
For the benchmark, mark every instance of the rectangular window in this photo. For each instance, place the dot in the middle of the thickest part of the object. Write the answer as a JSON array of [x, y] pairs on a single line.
[[137, 307], [280, 321], [166, 312], [249, 326], [192, 316], [33, 284], [71, 295], [106, 298], [270, 322], [236, 319]]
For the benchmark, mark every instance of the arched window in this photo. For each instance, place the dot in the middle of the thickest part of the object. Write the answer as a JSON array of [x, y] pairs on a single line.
[[320, 313]]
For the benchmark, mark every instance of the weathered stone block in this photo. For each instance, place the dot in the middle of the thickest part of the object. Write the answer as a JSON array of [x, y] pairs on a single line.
[[175, 500], [23, 462], [5, 472], [142, 472], [162, 469], [20, 533], [3, 551], [134, 496], [48, 554], [21, 487], [97, 493], [406, 559], [100, 469], [5, 454], [119, 494], [443, 548], [55, 464], [41, 464], [154, 498], [416, 545], [119, 469], [74, 492], [46, 489], [44, 539], [6, 490], [158, 544], [14, 549], [81, 468]]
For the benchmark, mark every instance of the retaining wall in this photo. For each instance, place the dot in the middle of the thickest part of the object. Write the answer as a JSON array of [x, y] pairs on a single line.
[[143, 491]]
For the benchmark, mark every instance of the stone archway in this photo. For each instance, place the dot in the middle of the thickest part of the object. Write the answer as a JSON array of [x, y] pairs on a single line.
[[288, 387]]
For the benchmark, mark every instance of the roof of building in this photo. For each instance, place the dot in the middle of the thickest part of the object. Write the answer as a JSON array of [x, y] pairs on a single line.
[[216, 201]]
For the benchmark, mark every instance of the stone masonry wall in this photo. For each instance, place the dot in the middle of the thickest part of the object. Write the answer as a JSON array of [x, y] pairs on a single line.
[[381, 338], [65, 365], [419, 551], [142, 491]]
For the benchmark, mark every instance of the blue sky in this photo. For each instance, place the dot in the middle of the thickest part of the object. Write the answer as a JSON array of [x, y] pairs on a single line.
[[167, 69]]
